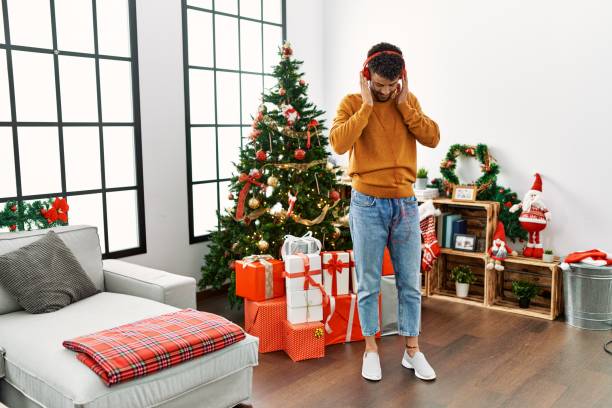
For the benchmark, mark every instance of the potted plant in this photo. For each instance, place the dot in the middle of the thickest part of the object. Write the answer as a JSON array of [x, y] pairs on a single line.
[[463, 276], [548, 256], [421, 181], [524, 291]]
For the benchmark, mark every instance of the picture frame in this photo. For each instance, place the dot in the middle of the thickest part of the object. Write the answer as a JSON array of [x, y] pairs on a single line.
[[465, 242], [464, 193]]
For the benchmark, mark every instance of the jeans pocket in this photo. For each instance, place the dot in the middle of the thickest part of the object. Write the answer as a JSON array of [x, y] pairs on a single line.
[[362, 200]]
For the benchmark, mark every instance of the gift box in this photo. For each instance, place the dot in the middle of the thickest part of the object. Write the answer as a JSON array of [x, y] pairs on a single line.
[[302, 280], [387, 266], [336, 272], [388, 292], [304, 341], [259, 277], [341, 317], [306, 244], [264, 319]]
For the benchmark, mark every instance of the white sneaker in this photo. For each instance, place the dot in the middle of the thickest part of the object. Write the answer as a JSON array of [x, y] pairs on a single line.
[[370, 370], [419, 364]]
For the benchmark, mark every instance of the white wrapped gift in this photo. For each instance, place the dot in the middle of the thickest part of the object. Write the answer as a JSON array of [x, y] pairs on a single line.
[[306, 244], [336, 267], [305, 306], [305, 293], [294, 271]]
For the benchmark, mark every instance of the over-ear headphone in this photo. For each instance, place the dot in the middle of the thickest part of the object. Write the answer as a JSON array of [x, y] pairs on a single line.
[[366, 70]]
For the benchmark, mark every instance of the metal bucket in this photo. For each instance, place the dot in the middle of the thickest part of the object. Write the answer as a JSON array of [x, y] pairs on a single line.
[[587, 291]]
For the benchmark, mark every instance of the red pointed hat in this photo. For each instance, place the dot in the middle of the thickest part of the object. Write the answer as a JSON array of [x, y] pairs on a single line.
[[500, 232], [537, 184]]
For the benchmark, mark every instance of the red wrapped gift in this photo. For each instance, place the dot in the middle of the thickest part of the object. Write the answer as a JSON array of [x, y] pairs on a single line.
[[260, 277], [304, 341], [265, 320], [341, 319]]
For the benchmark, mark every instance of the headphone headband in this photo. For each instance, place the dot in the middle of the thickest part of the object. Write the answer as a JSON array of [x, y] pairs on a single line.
[[366, 70]]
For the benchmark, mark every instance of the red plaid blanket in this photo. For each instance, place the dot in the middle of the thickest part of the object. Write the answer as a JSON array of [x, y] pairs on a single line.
[[150, 345]]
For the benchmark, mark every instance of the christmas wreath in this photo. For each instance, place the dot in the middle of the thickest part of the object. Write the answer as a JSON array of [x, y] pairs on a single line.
[[487, 187]]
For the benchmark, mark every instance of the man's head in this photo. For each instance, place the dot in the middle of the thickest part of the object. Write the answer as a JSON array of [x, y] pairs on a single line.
[[385, 70]]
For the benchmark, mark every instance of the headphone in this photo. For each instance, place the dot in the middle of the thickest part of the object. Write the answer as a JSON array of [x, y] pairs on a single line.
[[366, 70]]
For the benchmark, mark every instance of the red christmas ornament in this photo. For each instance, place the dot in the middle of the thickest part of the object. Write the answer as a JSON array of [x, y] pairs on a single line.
[[259, 116], [334, 195], [255, 134], [13, 227], [469, 151], [14, 208], [282, 92], [261, 155], [299, 154], [508, 204], [230, 196], [302, 82], [501, 190]]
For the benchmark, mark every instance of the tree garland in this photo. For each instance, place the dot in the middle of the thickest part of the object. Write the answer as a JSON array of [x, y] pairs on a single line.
[[39, 214], [487, 187]]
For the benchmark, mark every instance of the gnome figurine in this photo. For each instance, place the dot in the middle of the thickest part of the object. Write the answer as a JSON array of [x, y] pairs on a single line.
[[534, 218], [499, 249]]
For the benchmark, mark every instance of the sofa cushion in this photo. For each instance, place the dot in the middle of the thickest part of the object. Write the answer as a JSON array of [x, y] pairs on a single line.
[[82, 240], [37, 364], [44, 276]]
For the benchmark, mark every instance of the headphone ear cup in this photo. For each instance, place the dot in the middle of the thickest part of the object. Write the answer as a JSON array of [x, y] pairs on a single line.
[[366, 73]]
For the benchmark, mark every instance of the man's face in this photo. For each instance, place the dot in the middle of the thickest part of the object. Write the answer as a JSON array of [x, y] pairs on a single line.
[[383, 88]]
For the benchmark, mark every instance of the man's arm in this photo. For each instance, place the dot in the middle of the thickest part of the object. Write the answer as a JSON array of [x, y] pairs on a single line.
[[424, 129], [347, 127]]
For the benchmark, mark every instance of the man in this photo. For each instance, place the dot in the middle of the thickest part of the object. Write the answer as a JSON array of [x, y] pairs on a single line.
[[379, 128]]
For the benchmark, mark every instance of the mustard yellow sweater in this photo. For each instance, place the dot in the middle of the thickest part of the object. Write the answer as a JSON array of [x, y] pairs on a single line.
[[381, 141]]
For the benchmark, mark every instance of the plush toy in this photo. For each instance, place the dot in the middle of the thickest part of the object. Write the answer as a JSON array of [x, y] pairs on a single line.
[[534, 218], [431, 248], [499, 249]]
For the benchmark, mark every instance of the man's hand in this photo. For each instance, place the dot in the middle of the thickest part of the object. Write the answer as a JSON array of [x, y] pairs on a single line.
[[403, 95], [366, 93]]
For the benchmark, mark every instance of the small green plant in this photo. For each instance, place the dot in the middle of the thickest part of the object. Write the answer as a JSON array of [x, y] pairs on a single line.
[[422, 173], [524, 289], [462, 274], [548, 251]]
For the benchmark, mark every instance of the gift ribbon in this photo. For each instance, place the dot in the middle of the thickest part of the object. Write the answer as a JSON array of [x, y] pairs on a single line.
[[349, 328], [308, 280], [268, 268], [335, 266], [248, 180]]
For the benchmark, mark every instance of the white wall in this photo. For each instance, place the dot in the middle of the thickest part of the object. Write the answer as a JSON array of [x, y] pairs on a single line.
[[531, 79]]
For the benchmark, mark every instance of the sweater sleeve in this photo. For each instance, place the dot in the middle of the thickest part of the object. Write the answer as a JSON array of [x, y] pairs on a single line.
[[348, 126], [424, 129]]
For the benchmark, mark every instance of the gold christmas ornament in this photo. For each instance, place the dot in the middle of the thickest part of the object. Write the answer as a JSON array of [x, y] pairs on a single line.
[[234, 246], [254, 203], [272, 181], [263, 245], [329, 166], [336, 233]]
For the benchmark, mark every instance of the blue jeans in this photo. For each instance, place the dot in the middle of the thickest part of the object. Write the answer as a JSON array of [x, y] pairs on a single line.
[[392, 222]]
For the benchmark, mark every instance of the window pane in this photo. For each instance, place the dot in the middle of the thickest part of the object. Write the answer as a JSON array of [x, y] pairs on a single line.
[[200, 38], [30, 23], [250, 46], [116, 90], [2, 40], [7, 163], [39, 160], [250, 8], [113, 27], [78, 89], [119, 156], [87, 210], [203, 154], [227, 6], [204, 208], [74, 25], [272, 40], [226, 33], [122, 216], [224, 194], [269, 82], [207, 4], [229, 150], [251, 96], [5, 102], [82, 158], [201, 96], [273, 11], [34, 87], [228, 102], [246, 132]]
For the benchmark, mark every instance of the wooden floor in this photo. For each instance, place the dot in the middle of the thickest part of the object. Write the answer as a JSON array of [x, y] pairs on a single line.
[[483, 358]]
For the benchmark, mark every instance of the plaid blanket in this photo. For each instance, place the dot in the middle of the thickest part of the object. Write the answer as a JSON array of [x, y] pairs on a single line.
[[150, 345]]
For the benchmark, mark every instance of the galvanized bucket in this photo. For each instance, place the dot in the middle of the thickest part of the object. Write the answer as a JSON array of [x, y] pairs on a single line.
[[587, 291]]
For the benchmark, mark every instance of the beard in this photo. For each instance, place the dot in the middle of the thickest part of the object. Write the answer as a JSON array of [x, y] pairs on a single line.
[[533, 202]]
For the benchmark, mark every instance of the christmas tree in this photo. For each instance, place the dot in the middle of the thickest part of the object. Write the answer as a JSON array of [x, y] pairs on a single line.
[[283, 184]]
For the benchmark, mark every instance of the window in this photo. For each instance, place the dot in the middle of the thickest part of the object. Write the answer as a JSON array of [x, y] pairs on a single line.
[[229, 48], [69, 113]]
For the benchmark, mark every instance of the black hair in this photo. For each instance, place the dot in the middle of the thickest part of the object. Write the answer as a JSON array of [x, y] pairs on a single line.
[[386, 65]]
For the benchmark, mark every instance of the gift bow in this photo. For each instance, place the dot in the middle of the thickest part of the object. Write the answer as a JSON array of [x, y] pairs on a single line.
[[248, 179], [335, 266], [268, 268]]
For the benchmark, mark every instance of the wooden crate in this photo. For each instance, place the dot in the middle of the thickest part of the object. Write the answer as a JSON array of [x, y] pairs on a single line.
[[544, 274], [441, 284]]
